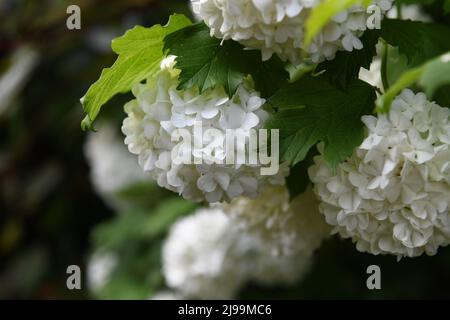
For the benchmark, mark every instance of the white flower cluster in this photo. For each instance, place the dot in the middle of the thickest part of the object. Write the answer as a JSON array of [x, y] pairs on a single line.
[[112, 167], [205, 257], [278, 26], [287, 227], [196, 257], [160, 109], [392, 196]]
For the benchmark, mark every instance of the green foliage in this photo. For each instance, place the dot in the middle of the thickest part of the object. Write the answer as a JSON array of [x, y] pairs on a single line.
[[136, 225], [140, 51], [396, 64], [345, 66], [312, 109], [430, 76], [206, 62], [419, 55], [135, 238], [442, 96], [444, 3], [298, 179], [418, 41], [423, 2], [138, 193], [137, 275], [436, 74]]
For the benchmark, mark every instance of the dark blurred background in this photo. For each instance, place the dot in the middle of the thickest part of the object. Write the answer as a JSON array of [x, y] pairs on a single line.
[[50, 215]]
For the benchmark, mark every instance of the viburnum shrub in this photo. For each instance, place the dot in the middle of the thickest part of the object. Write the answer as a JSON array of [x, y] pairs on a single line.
[[373, 143]]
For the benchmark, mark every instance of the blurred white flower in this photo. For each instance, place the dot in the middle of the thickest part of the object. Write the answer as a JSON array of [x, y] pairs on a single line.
[[269, 270], [112, 167], [287, 227], [278, 26], [206, 257], [99, 268], [198, 257], [166, 295], [392, 195], [159, 109]]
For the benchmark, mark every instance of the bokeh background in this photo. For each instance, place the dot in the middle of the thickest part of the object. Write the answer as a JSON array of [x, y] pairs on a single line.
[[52, 212]]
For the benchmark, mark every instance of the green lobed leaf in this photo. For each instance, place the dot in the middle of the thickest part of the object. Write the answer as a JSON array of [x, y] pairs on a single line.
[[312, 109], [418, 41], [345, 67], [140, 52], [206, 62]]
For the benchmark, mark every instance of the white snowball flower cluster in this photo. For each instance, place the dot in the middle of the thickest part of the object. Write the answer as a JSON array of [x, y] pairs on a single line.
[[112, 167], [205, 257], [160, 109], [287, 227], [392, 196], [196, 257], [278, 26]]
